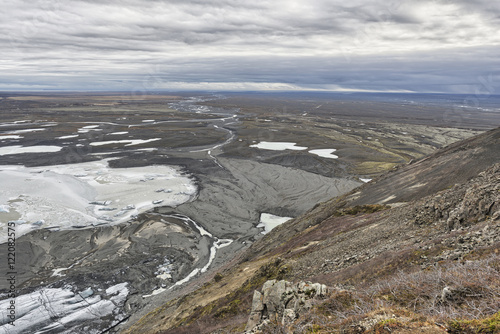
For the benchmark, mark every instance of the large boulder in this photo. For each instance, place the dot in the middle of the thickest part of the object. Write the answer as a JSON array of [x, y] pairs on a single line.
[[282, 301]]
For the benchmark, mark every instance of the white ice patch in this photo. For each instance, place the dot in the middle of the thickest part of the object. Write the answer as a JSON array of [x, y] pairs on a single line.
[[90, 127], [67, 137], [58, 272], [36, 312], [26, 131], [148, 120], [10, 137], [6, 150], [278, 146], [325, 153], [130, 142], [365, 180], [12, 123], [88, 193], [119, 133], [269, 221]]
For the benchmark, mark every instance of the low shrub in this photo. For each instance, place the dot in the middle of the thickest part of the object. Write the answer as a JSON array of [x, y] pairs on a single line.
[[472, 290]]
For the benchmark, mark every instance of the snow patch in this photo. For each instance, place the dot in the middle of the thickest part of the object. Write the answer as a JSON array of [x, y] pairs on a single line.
[[67, 137], [10, 137], [269, 221], [17, 149], [278, 146], [26, 131], [325, 153]]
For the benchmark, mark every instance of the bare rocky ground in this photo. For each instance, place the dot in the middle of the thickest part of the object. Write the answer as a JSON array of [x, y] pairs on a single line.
[[236, 183]]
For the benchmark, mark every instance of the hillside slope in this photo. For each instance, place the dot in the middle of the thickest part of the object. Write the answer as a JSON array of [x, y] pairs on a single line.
[[438, 218]]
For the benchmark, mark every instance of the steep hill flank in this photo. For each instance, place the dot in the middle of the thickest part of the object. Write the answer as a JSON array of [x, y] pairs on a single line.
[[344, 243], [454, 164]]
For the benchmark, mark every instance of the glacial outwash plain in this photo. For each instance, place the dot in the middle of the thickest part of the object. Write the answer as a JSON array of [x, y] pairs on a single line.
[[197, 213]]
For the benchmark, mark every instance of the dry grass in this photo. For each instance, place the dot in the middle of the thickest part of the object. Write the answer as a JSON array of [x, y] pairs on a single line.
[[411, 302], [475, 287]]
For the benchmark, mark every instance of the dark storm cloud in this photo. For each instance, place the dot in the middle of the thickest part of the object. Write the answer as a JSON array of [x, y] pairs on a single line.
[[433, 45]]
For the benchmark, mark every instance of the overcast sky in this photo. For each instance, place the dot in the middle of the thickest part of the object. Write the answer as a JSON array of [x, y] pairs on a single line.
[[356, 45]]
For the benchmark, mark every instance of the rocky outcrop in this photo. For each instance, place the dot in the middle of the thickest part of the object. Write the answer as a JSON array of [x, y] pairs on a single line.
[[464, 204], [282, 302]]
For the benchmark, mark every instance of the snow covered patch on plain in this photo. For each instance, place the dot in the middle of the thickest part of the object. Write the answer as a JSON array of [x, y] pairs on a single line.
[[49, 124], [130, 142], [87, 193], [26, 131], [12, 123], [6, 150], [55, 310], [67, 137], [269, 221], [148, 120], [10, 137], [119, 133], [278, 146], [88, 128], [365, 180], [325, 153]]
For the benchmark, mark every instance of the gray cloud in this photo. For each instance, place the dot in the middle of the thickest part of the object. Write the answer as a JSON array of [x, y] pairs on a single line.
[[432, 45]]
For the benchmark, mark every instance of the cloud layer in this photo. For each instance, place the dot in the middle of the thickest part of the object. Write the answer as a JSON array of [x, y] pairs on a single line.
[[401, 45]]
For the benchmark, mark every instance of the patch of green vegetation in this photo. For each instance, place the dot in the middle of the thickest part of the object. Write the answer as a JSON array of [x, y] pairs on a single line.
[[218, 277], [374, 167], [310, 292], [489, 325], [386, 326], [228, 310], [363, 209], [314, 329]]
